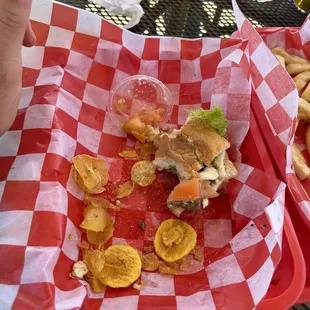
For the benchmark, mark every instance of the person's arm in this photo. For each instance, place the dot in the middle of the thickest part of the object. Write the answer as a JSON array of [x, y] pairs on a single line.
[[15, 31]]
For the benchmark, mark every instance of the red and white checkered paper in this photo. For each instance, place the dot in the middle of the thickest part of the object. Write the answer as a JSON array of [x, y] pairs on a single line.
[[280, 100], [66, 81]]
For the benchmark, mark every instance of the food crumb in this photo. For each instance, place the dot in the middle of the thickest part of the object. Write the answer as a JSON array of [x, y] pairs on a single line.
[[149, 249], [198, 253], [138, 285], [79, 270], [70, 236], [142, 225], [117, 202], [125, 189], [164, 269]]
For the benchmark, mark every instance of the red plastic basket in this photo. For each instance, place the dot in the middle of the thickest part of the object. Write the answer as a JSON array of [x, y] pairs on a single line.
[[289, 278], [300, 223]]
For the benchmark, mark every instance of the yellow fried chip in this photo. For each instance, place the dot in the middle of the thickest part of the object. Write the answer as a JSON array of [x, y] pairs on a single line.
[[101, 237], [174, 239], [84, 167], [122, 266], [95, 218], [90, 173], [97, 286], [125, 189], [140, 137], [99, 202], [163, 269], [94, 260], [100, 166], [138, 145], [137, 125], [79, 181], [143, 173], [150, 262], [128, 154], [148, 149], [83, 245], [95, 283], [101, 246]]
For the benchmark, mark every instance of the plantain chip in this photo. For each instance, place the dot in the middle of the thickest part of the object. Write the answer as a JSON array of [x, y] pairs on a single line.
[[94, 260], [99, 202], [150, 262], [174, 239], [95, 218], [143, 173], [125, 189], [97, 286], [79, 181], [122, 266], [95, 283], [90, 173], [101, 237]]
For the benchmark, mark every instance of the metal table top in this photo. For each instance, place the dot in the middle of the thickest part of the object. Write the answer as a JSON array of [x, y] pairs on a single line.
[[200, 18]]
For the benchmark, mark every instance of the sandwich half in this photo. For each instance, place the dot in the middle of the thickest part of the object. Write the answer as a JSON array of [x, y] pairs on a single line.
[[197, 154]]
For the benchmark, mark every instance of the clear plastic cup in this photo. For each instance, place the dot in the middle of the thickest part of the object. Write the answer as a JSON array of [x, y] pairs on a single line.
[[138, 93]]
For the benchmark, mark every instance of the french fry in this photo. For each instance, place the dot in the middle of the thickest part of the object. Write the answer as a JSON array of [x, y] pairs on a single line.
[[303, 110], [294, 68], [306, 94], [301, 169], [303, 76], [281, 60], [308, 139], [300, 84], [297, 123], [297, 60], [287, 57], [301, 69]]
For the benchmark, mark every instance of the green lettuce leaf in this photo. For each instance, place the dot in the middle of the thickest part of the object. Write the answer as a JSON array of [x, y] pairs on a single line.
[[214, 118]]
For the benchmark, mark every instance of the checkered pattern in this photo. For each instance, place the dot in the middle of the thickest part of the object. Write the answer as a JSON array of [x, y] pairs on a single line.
[[279, 98], [66, 81]]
